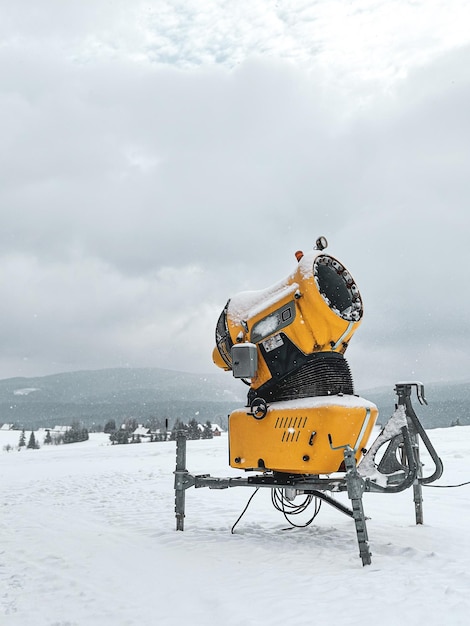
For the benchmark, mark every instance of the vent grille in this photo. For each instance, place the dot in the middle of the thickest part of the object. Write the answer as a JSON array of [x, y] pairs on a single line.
[[291, 427]]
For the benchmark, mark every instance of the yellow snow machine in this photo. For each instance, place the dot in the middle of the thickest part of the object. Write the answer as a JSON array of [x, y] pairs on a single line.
[[304, 432]]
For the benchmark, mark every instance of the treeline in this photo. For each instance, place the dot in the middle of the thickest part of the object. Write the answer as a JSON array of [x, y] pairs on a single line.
[[155, 430], [193, 430], [75, 433], [130, 431]]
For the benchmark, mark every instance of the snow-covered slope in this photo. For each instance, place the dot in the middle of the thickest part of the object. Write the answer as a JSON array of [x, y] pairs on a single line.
[[88, 539]]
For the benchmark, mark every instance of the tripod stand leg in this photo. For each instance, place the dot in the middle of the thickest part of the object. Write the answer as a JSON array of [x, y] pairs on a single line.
[[355, 486]]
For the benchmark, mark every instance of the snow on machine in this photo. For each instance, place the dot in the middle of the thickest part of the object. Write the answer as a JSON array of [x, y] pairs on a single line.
[[304, 432]]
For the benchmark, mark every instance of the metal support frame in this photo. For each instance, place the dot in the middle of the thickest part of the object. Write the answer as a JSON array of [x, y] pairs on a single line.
[[400, 475], [404, 396], [183, 479], [352, 483], [356, 486], [416, 431]]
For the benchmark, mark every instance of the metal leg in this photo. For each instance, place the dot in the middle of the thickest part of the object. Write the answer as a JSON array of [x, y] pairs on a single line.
[[355, 486], [416, 430], [180, 479], [417, 487]]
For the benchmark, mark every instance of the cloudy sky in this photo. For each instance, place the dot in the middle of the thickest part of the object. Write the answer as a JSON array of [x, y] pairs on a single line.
[[158, 157]]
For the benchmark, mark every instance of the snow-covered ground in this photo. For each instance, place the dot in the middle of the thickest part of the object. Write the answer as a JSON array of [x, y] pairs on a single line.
[[88, 539]]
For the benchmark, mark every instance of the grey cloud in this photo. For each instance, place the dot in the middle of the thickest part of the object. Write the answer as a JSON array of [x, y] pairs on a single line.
[[135, 199], [172, 152]]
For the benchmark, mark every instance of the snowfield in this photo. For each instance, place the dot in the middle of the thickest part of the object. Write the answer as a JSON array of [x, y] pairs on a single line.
[[88, 539]]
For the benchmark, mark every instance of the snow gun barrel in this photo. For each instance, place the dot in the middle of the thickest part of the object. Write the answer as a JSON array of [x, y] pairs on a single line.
[[277, 331], [289, 340]]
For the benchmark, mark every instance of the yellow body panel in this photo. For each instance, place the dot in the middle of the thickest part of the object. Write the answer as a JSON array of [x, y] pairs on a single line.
[[294, 436]]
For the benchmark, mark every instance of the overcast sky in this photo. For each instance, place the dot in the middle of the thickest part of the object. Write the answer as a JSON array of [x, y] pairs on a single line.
[[158, 157]]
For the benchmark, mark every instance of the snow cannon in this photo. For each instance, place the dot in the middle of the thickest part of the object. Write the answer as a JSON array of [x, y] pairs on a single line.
[[287, 342], [303, 432]]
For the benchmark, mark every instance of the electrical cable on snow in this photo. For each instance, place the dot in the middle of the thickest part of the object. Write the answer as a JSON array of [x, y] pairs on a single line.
[[447, 486], [287, 508], [245, 509]]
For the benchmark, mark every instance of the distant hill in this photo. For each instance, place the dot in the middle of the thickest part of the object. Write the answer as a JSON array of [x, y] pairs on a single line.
[[447, 403], [93, 397]]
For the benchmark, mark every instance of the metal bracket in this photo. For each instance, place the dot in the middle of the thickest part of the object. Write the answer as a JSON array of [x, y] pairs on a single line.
[[403, 390]]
